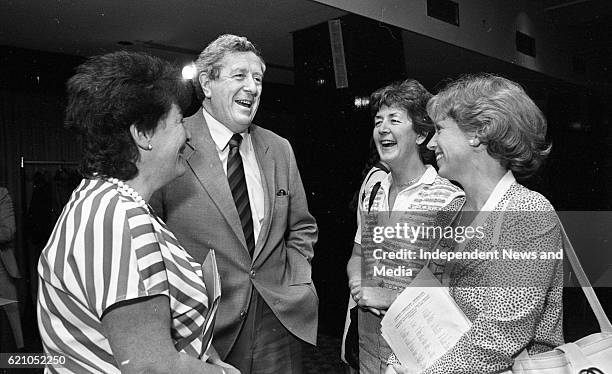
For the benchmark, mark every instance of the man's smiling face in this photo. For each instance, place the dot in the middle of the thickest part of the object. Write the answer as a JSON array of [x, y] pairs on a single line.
[[233, 97]]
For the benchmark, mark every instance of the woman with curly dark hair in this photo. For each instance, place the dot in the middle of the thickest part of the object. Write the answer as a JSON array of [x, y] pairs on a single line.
[[488, 131], [411, 193], [117, 291]]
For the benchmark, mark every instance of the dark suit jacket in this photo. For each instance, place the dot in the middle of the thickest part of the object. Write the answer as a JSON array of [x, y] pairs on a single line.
[[199, 209]]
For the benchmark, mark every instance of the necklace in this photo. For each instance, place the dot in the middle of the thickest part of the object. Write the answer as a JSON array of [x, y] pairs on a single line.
[[409, 183], [126, 190]]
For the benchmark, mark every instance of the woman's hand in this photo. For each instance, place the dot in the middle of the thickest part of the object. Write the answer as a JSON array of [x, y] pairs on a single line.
[[379, 298]]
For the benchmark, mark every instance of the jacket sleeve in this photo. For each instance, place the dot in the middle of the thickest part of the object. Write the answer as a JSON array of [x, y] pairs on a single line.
[[301, 233]]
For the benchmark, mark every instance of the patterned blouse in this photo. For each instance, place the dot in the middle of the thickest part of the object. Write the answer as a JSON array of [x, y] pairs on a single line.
[[416, 206], [514, 303], [105, 249]]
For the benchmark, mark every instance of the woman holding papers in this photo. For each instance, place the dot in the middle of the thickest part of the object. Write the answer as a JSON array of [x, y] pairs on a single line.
[[487, 132], [410, 194], [117, 291]]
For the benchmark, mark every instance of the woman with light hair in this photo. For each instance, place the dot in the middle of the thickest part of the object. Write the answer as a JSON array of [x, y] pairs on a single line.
[[488, 131]]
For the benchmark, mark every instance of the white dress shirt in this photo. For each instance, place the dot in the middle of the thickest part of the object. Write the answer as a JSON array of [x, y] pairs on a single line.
[[221, 135]]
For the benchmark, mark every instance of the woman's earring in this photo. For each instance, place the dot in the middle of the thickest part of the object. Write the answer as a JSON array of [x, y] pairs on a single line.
[[149, 147], [471, 142]]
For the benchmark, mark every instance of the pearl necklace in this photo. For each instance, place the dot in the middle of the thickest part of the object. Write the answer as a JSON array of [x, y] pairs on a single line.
[[125, 189]]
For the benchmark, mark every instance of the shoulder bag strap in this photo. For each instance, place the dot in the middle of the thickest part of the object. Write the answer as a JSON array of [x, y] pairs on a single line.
[[375, 189], [376, 169], [600, 314]]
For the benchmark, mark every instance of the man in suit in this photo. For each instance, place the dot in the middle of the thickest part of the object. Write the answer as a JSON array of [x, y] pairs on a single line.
[[9, 271], [243, 197]]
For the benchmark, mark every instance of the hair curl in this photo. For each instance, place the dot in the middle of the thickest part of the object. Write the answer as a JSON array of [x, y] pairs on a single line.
[[111, 92], [411, 96], [501, 114], [208, 61]]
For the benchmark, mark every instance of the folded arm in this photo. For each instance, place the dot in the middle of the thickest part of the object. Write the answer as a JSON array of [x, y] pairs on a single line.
[[376, 299]]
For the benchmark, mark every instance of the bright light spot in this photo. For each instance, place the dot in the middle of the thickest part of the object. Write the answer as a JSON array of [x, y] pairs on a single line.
[[189, 71], [362, 101]]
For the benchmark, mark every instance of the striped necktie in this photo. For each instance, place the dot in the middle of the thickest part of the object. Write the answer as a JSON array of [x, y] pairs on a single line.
[[238, 186]]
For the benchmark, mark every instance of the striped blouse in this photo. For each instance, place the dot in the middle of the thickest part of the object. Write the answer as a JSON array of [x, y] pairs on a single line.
[[107, 248]]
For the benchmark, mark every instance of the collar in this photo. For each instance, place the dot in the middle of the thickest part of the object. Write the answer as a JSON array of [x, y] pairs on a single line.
[[220, 134], [499, 191], [428, 177]]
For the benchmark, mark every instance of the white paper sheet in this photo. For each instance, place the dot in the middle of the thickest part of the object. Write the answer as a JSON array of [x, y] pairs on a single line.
[[423, 322]]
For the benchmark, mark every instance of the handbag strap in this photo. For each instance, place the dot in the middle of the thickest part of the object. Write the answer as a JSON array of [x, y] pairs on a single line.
[[373, 194], [602, 318]]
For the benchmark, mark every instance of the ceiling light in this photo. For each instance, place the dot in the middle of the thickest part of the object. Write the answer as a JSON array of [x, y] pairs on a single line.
[[189, 71]]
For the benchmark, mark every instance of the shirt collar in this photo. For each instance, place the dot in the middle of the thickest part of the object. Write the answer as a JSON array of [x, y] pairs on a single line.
[[499, 191], [428, 177], [220, 134]]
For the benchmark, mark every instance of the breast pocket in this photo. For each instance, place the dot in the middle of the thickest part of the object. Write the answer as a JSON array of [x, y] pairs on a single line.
[[281, 200], [281, 196]]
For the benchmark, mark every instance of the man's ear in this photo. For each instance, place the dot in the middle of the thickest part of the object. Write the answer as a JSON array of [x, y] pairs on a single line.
[[205, 84], [142, 139]]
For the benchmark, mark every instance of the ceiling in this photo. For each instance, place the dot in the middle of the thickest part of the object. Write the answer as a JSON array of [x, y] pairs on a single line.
[[584, 26], [179, 29]]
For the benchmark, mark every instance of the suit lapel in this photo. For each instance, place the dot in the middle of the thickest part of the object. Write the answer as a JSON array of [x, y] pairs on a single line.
[[208, 170], [266, 169]]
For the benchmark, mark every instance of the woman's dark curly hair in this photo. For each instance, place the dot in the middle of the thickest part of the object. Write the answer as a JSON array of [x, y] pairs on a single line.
[[501, 114], [411, 96], [111, 92]]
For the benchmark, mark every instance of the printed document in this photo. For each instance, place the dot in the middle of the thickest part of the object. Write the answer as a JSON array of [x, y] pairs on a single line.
[[423, 322]]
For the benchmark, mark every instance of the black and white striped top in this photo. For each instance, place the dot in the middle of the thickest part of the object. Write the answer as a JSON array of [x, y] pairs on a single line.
[[107, 248]]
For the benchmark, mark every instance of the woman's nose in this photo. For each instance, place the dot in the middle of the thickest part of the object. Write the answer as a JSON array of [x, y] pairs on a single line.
[[383, 128]]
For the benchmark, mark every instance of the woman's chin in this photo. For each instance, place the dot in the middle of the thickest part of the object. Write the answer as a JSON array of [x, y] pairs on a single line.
[[177, 172], [444, 172], [396, 161], [389, 158]]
